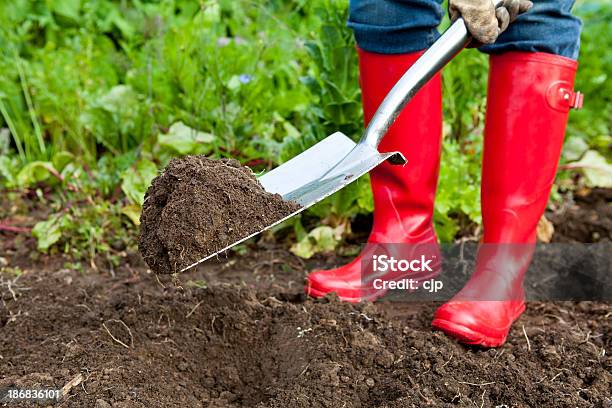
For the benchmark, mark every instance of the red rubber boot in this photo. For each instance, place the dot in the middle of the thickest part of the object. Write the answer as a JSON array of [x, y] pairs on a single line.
[[403, 195], [529, 97]]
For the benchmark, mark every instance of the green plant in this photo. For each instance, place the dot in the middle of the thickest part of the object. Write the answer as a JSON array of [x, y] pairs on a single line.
[[593, 123]]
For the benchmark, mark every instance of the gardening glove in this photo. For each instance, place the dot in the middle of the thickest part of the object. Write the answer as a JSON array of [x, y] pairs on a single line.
[[483, 20]]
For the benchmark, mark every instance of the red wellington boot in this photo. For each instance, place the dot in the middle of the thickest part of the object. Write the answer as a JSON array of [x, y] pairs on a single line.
[[403, 195], [529, 97]]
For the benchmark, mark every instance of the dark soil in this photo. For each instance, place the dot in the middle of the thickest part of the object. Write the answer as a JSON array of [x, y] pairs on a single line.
[[198, 206], [242, 334], [259, 342], [588, 219]]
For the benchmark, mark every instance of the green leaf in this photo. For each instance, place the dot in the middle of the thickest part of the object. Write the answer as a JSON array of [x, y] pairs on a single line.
[[48, 232], [211, 12], [61, 159], [118, 99], [7, 170], [596, 169], [123, 25], [5, 141], [67, 8], [137, 180], [185, 140], [574, 148], [446, 227], [35, 172], [234, 83], [320, 239], [132, 211]]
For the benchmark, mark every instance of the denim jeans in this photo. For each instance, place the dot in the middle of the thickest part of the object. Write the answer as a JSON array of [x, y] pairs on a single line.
[[403, 26]]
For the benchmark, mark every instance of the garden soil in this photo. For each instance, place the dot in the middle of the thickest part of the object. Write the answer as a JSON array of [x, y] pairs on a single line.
[[241, 333], [588, 219], [198, 206]]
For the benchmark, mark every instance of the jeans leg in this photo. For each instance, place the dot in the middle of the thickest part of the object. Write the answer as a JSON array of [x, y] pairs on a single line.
[[548, 27], [395, 26]]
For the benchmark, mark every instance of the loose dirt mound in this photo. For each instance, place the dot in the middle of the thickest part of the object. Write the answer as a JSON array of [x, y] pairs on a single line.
[[198, 206]]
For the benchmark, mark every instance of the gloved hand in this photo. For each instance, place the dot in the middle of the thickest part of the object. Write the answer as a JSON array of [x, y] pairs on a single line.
[[483, 21]]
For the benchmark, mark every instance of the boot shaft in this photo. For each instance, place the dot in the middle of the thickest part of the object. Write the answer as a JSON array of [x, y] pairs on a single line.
[[529, 98], [403, 195]]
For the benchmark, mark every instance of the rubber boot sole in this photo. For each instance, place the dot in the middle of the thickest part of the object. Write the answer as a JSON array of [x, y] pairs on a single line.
[[467, 335]]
